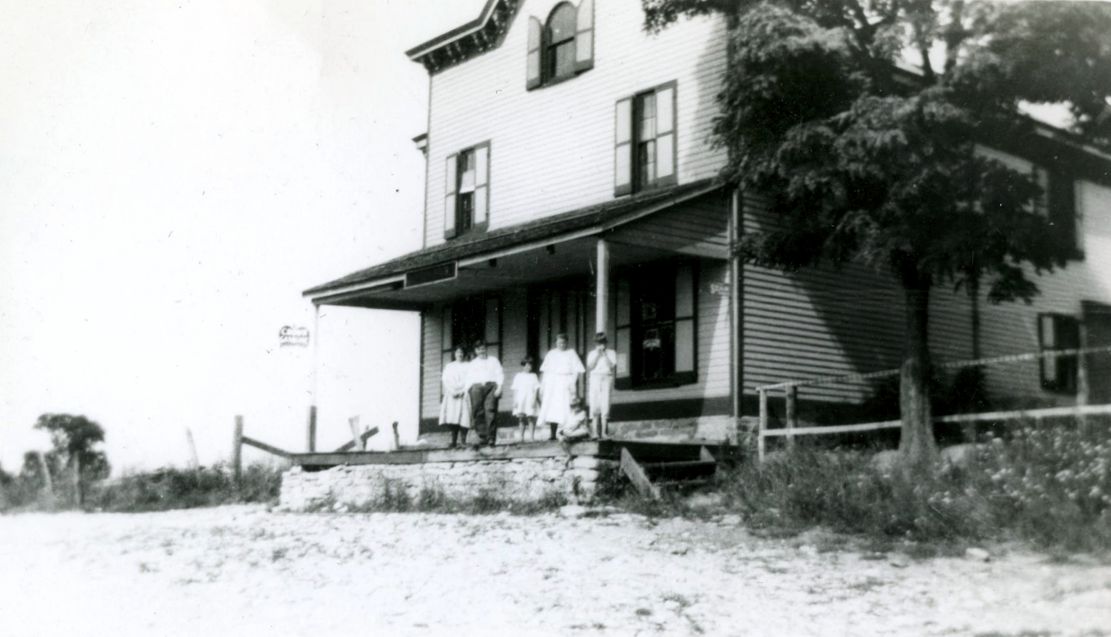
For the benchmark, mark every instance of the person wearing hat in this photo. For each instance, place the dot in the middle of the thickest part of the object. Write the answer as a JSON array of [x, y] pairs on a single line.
[[601, 367]]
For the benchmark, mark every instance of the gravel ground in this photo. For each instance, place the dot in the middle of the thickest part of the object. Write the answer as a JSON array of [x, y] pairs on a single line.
[[246, 571]]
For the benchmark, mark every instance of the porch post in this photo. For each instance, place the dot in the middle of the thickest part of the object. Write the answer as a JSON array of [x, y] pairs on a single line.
[[312, 390], [601, 287], [736, 316]]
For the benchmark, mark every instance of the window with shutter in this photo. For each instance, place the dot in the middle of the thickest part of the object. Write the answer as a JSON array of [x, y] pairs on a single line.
[[562, 46], [1058, 332], [467, 198], [656, 326], [584, 37], [532, 70], [644, 146], [450, 195]]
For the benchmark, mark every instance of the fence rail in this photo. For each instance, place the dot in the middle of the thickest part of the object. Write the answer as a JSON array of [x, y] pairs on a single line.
[[791, 390]]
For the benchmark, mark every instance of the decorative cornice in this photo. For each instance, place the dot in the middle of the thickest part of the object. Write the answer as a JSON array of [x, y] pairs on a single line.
[[474, 38]]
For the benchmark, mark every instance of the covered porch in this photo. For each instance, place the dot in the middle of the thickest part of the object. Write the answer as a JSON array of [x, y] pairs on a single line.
[[653, 272]]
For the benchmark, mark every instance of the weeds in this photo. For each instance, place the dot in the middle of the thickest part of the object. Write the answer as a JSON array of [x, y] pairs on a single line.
[[1051, 486], [171, 488]]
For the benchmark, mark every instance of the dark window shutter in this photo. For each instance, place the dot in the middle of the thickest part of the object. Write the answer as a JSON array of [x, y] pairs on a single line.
[[1062, 209], [535, 45], [482, 185], [449, 196], [584, 37], [623, 148]]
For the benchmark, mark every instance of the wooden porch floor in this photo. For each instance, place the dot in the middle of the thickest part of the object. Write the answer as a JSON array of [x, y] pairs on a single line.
[[607, 449]]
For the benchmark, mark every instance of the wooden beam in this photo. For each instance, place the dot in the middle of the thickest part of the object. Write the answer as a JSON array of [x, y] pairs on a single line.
[[792, 414], [258, 444], [415, 456], [636, 475], [356, 440], [601, 286], [350, 445], [237, 450]]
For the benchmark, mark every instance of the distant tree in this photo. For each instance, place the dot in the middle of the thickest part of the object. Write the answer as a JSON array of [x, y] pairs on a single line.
[[74, 439], [865, 162]]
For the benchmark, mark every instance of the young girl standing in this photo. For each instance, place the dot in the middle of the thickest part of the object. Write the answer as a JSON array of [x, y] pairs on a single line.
[[526, 397]]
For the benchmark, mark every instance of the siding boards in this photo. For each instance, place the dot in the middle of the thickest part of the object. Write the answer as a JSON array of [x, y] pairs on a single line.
[[432, 363], [565, 132], [697, 228], [827, 322]]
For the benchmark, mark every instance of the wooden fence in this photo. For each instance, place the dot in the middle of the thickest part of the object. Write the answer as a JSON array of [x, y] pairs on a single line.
[[790, 389]]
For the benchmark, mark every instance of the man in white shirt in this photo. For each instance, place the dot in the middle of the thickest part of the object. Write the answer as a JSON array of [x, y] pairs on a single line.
[[484, 380], [601, 367]]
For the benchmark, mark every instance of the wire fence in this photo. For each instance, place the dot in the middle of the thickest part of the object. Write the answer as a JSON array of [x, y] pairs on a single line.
[[1056, 383]]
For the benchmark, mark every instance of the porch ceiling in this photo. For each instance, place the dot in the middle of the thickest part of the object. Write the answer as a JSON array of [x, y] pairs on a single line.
[[547, 249]]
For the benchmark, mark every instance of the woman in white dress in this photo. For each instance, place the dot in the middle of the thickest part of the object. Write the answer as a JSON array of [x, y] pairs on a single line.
[[455, 409], [559, 376]]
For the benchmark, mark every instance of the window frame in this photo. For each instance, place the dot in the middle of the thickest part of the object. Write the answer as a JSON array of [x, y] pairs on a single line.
[[542, 57], [448, 312], [455, 198], [627, 143], [628, 280], [1065, 369]]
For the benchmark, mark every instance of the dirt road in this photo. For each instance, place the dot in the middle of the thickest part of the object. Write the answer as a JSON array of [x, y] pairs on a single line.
[[245, 571]]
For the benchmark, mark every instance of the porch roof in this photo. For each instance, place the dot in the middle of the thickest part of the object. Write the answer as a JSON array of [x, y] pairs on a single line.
[[397, 274]]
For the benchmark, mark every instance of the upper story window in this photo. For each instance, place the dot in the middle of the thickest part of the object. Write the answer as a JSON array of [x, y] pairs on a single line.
[[1057, 201], [645, 149], [561, 46], [467, 196]]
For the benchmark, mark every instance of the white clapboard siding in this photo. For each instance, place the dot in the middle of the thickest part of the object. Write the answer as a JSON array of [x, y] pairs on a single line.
[[827, 322], [552, 148], [1012, 328]]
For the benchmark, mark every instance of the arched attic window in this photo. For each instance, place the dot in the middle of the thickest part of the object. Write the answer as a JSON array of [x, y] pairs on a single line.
[[559, 46], [562, 46]]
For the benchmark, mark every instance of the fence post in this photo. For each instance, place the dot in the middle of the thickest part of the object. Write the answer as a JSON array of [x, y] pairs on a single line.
[[353, 423], [312, 429], [792, 414], [193, 461], [762, 425], [237, 451]]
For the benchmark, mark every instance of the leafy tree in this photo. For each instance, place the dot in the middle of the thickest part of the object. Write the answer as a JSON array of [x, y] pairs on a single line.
[[867, 162], [74, 439]]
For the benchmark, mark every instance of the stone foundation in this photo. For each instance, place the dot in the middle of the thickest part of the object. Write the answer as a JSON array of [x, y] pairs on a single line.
[[578, 479]]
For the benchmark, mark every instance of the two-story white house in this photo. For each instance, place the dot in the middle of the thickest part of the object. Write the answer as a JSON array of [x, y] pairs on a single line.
[[571, 186]]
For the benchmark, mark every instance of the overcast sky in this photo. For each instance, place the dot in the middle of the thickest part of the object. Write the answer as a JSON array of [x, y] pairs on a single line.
[[172, 175]]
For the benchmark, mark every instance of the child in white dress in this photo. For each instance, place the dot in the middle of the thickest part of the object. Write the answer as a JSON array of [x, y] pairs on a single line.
[[526, 398]]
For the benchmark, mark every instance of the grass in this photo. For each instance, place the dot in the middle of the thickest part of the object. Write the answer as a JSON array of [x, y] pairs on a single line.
[[1050, 486], [172, 488]]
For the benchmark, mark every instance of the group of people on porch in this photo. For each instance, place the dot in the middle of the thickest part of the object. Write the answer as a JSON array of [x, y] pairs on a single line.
[[472, 388]]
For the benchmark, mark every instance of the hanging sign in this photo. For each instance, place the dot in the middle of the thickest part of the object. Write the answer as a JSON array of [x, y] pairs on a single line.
[[293, 336]]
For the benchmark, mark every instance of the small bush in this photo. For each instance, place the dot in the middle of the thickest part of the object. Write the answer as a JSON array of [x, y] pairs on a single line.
[[173, 488]]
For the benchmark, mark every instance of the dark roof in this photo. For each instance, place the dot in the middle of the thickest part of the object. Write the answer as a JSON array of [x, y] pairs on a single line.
[[552, 226]]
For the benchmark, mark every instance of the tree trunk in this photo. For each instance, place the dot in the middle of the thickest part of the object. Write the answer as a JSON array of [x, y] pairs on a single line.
[[916, 445]]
